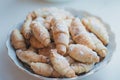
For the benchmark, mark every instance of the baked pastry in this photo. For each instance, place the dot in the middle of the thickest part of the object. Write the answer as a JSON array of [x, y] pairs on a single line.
[[82, 53], [95, 26], [17, 40], [61, 36], [80, 35], [61, 65], [40, 33], [30, 56], [44, 69], [26, 30], [100, 48], [81, 68]]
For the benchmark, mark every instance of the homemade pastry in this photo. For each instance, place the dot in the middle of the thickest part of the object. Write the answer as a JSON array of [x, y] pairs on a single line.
[[80, 67], [82, 53], [100, 48], [17, 40], [44, 69], [61, 36], [26, 30], [95, 26], [40, 33], [80, 35], [30, 56], [61, 65]]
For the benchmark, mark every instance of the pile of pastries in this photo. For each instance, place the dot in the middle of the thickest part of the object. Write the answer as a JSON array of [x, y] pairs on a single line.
[[55, 43]]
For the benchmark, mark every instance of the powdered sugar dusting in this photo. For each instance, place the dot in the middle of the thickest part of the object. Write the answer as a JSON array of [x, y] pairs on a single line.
[[81, 52]]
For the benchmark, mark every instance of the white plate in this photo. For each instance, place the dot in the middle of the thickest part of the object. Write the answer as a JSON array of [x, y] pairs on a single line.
[[111, 47]]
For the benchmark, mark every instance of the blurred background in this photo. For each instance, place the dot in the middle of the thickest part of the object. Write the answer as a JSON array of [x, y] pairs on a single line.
[[15, 11]]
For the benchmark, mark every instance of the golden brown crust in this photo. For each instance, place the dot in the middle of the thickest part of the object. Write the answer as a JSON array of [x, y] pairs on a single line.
[[55, 74], [61, 65], [100, 48], [42, 69], [97, 27], [40, 33], [35, 43], [30, 56], [46, 51], [83, 54], [26, 30], [80, 35], [32, 49], [61, 36], [81, 68], [17, 40]]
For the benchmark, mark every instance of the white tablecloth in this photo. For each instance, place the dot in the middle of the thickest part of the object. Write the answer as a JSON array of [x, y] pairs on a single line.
[[14, 11]]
